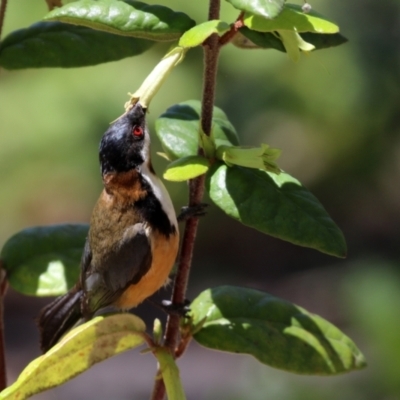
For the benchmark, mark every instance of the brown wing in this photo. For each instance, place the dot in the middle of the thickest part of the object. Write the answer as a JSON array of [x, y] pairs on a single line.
[[123, 266]]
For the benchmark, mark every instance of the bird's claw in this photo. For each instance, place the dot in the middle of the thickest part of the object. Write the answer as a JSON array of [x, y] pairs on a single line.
[[180, 309], [192, 211]]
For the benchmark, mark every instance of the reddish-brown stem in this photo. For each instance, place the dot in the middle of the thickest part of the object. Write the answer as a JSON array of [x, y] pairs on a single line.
[[51, 4], [196, 190], [3, 6], [228, 36], [3, 289], [213, 9], [211, 52], [159, 388]]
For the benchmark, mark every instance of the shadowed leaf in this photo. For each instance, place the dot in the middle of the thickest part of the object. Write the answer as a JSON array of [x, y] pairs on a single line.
[[53, 44], [275, 331], [178, 129], [44, 260], [277, 205]]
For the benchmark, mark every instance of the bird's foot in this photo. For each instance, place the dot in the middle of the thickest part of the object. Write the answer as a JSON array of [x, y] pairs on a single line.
[[180, 309], [192, 211]]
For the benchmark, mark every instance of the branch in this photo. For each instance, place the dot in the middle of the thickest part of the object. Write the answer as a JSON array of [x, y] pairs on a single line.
[[228, 36], [3, 7], [3, 289], [51, 4], [196, 190]]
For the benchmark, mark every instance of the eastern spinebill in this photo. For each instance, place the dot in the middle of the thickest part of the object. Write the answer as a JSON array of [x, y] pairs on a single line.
[[133, 238]]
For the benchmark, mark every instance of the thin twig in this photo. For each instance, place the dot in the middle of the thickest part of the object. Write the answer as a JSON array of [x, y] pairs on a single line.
[[3, 289], [52, 4], [3, 6], [196, 190], [228, 36]]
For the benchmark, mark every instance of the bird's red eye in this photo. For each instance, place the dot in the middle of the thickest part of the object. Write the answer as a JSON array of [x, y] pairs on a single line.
[[137, 131]]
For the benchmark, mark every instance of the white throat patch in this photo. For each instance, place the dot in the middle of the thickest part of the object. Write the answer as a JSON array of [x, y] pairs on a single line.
[[155, 182], [161, 193]]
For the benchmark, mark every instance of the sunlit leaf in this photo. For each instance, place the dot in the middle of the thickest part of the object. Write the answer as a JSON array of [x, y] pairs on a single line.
[[84, 346], [268, 40], [263, 8], [292, 18], [44, 260], [275, 331], [128, 18], [170, 374], [199, 33], [262, 157], [178, 129], [186, 168], [277, 205], [53, 44]]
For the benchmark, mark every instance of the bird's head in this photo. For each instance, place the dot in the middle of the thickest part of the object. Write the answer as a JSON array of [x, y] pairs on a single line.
[[126, 143]]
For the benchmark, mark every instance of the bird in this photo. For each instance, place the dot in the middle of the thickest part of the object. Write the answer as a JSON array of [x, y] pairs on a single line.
[[133, 237]]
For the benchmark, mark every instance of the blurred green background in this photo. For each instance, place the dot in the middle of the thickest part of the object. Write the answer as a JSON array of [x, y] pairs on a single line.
[[336, 117]]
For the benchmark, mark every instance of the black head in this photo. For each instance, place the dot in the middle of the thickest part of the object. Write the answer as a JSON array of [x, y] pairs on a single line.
[[125, 145]]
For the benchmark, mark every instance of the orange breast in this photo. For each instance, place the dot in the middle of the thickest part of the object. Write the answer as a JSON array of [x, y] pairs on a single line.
[[164, 251]]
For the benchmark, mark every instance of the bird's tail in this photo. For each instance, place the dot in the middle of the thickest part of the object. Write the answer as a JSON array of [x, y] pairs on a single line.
[[58, 317]]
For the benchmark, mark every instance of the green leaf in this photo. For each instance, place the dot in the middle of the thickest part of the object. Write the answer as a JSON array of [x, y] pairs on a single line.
[[170, 374], [268, 40], [324, 41], [275, 331], [178, 129], [275, 204], [128, 18], [186, 168], [207, 144], [198, 34], [53, 44], [44, 260], [292, 18], [262, 157], [86, 345], [248, 39], [263, 8]]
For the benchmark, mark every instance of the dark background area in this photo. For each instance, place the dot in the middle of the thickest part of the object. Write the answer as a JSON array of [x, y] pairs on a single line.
[[336, 117]]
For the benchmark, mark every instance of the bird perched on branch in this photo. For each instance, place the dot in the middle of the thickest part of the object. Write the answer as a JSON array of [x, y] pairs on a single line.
[[133, 238]]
